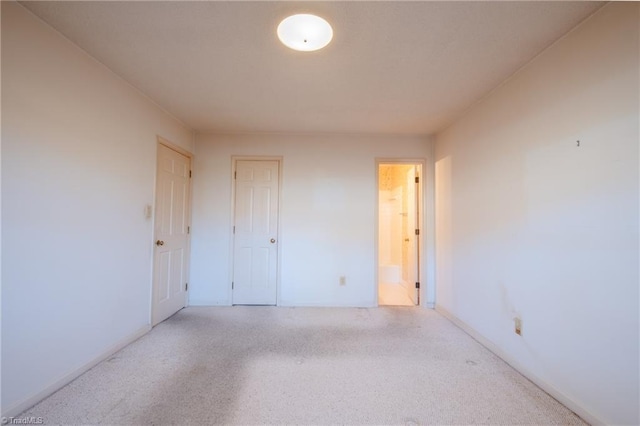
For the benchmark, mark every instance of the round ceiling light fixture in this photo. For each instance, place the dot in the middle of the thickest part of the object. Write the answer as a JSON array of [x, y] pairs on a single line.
[[305, 32]]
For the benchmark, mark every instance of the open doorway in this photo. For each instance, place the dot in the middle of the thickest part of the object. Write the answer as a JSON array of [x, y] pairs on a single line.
[[399, 218]]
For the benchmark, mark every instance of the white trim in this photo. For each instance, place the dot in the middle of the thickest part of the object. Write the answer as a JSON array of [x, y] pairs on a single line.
[[32, 400], [173, 146], [289, 304], [307, 133], [208, 302], [542, 384]]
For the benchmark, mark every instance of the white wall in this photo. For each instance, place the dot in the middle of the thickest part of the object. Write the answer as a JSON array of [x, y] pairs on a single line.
[[531, 225], [78, 167], [328, 225], [385, 211]]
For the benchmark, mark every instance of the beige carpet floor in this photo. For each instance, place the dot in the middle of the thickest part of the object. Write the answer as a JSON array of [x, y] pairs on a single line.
[[267, 365]]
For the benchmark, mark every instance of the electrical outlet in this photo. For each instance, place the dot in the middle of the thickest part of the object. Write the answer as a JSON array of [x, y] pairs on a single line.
[[343, 280], [518, 323]]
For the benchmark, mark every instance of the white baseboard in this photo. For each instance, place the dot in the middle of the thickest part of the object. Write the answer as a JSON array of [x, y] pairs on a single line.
[[542, 384], [32, 400], [208, 302], [289, 304]]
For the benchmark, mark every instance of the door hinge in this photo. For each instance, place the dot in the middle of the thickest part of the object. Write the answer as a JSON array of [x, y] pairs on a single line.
[[235, 175], [234, 229], [417, 232], [417, 285], [189, 173], [186, 286], [188, 229], [231, 285], [417, 179]]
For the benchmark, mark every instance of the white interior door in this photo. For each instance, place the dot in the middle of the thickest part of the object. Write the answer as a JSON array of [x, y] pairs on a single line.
[[255, 254], [171, 233], [413, 238]]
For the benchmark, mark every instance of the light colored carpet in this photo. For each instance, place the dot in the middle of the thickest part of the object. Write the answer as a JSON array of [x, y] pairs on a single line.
[[267, 365]]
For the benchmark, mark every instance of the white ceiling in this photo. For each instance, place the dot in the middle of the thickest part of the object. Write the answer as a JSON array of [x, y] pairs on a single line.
[[392, 67]]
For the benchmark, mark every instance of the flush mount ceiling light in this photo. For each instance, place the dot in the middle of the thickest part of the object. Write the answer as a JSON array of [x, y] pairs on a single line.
[[305, 32]]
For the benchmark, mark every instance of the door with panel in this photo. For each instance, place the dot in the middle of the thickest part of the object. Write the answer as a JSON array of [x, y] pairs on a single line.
[[171, 259], [255, 234]]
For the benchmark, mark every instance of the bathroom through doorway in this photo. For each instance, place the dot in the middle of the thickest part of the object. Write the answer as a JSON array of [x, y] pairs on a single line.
[[399, 218]]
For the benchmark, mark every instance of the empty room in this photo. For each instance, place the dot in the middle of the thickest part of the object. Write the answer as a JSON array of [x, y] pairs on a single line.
[[320, 212]]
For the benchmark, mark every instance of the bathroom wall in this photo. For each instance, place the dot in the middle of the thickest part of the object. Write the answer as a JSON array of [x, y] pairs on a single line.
[[385, 215], [394, 224], [390, 248]]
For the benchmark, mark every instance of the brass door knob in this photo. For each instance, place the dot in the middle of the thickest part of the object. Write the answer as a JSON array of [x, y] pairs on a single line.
[[159, 243]]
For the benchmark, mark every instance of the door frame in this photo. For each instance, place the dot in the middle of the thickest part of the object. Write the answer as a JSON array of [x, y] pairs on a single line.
[[164, 142], [232, 211], [425, 239]]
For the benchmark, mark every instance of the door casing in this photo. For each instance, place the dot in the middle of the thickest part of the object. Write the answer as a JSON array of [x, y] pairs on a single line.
[[423, 222], [234, 161]]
